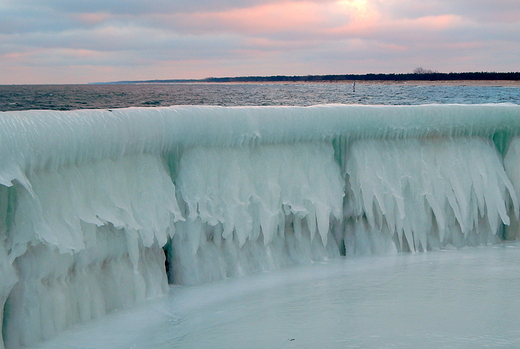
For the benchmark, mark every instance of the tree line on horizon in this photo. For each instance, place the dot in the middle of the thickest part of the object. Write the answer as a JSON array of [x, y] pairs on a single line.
[[419, 74]]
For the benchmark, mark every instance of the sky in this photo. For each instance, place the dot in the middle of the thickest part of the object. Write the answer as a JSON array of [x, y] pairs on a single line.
[[82, 41]]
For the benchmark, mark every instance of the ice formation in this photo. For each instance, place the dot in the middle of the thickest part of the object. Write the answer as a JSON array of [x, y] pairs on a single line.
[[99, 209], [427, 193], [251, 209], [85, 240]]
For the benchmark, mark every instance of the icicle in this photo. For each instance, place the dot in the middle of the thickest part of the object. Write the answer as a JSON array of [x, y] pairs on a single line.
[[412, 179], [244, 188]]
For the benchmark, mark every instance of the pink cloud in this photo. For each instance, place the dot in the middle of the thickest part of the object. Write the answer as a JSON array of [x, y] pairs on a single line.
[[308, 20], [92, 18], [13, 56], [434, 23], [266, 18]]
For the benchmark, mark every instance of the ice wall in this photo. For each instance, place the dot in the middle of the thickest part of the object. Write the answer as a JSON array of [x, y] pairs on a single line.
[[33, 140], [85, 240], [99, 208]]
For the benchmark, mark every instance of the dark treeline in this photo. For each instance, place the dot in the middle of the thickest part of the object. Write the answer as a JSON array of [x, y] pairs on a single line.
[[428, 76], [435, 76]]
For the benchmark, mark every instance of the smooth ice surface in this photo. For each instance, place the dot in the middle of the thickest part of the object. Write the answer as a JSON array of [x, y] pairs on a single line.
[[465, 298]]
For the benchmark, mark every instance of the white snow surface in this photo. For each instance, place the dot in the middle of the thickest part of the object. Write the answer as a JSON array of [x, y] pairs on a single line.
[[94, 203]]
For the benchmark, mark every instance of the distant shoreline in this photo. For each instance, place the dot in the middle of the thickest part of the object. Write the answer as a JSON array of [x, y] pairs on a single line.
[[500, 83], [497, 83], [428, 78], [490, 83]]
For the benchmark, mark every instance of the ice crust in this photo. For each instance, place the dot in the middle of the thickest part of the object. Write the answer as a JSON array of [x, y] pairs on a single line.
[[94, 203]]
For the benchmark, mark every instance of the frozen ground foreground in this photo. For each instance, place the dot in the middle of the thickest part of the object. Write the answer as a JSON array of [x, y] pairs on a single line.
[[467, 298]]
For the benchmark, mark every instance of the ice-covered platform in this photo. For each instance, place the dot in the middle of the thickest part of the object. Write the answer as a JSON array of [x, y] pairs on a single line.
[[101, 208]]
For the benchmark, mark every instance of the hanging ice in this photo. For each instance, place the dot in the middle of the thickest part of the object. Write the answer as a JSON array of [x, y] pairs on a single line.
[[94, 203], [255, 208], [86, 240], [428, 193]]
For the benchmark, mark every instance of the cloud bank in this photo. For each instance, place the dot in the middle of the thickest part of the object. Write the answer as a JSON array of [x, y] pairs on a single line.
[[63, 41]]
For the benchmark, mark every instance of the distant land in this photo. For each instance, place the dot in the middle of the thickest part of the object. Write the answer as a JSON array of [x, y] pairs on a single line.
[[421, 76]]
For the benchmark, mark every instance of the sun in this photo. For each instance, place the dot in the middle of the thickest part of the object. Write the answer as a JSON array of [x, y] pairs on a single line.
[[362, 13], [357, 6]]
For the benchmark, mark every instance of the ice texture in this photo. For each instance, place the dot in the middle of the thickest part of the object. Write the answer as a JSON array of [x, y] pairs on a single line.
[[99, 208], [254, 209], [512, 167], [32, 140], [86, 240], [429, 192]]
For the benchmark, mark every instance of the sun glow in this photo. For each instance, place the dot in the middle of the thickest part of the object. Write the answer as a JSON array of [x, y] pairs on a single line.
[[363, 15], [355, 7]]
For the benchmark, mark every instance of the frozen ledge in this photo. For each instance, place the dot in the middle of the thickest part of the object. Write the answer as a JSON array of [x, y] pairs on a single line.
[[38, 139]]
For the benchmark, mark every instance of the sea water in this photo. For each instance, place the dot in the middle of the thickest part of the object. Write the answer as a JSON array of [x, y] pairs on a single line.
[[67, 97], [450, 298]]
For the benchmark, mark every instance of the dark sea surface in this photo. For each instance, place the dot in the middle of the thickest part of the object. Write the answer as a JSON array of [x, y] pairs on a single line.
[[69, 97]]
